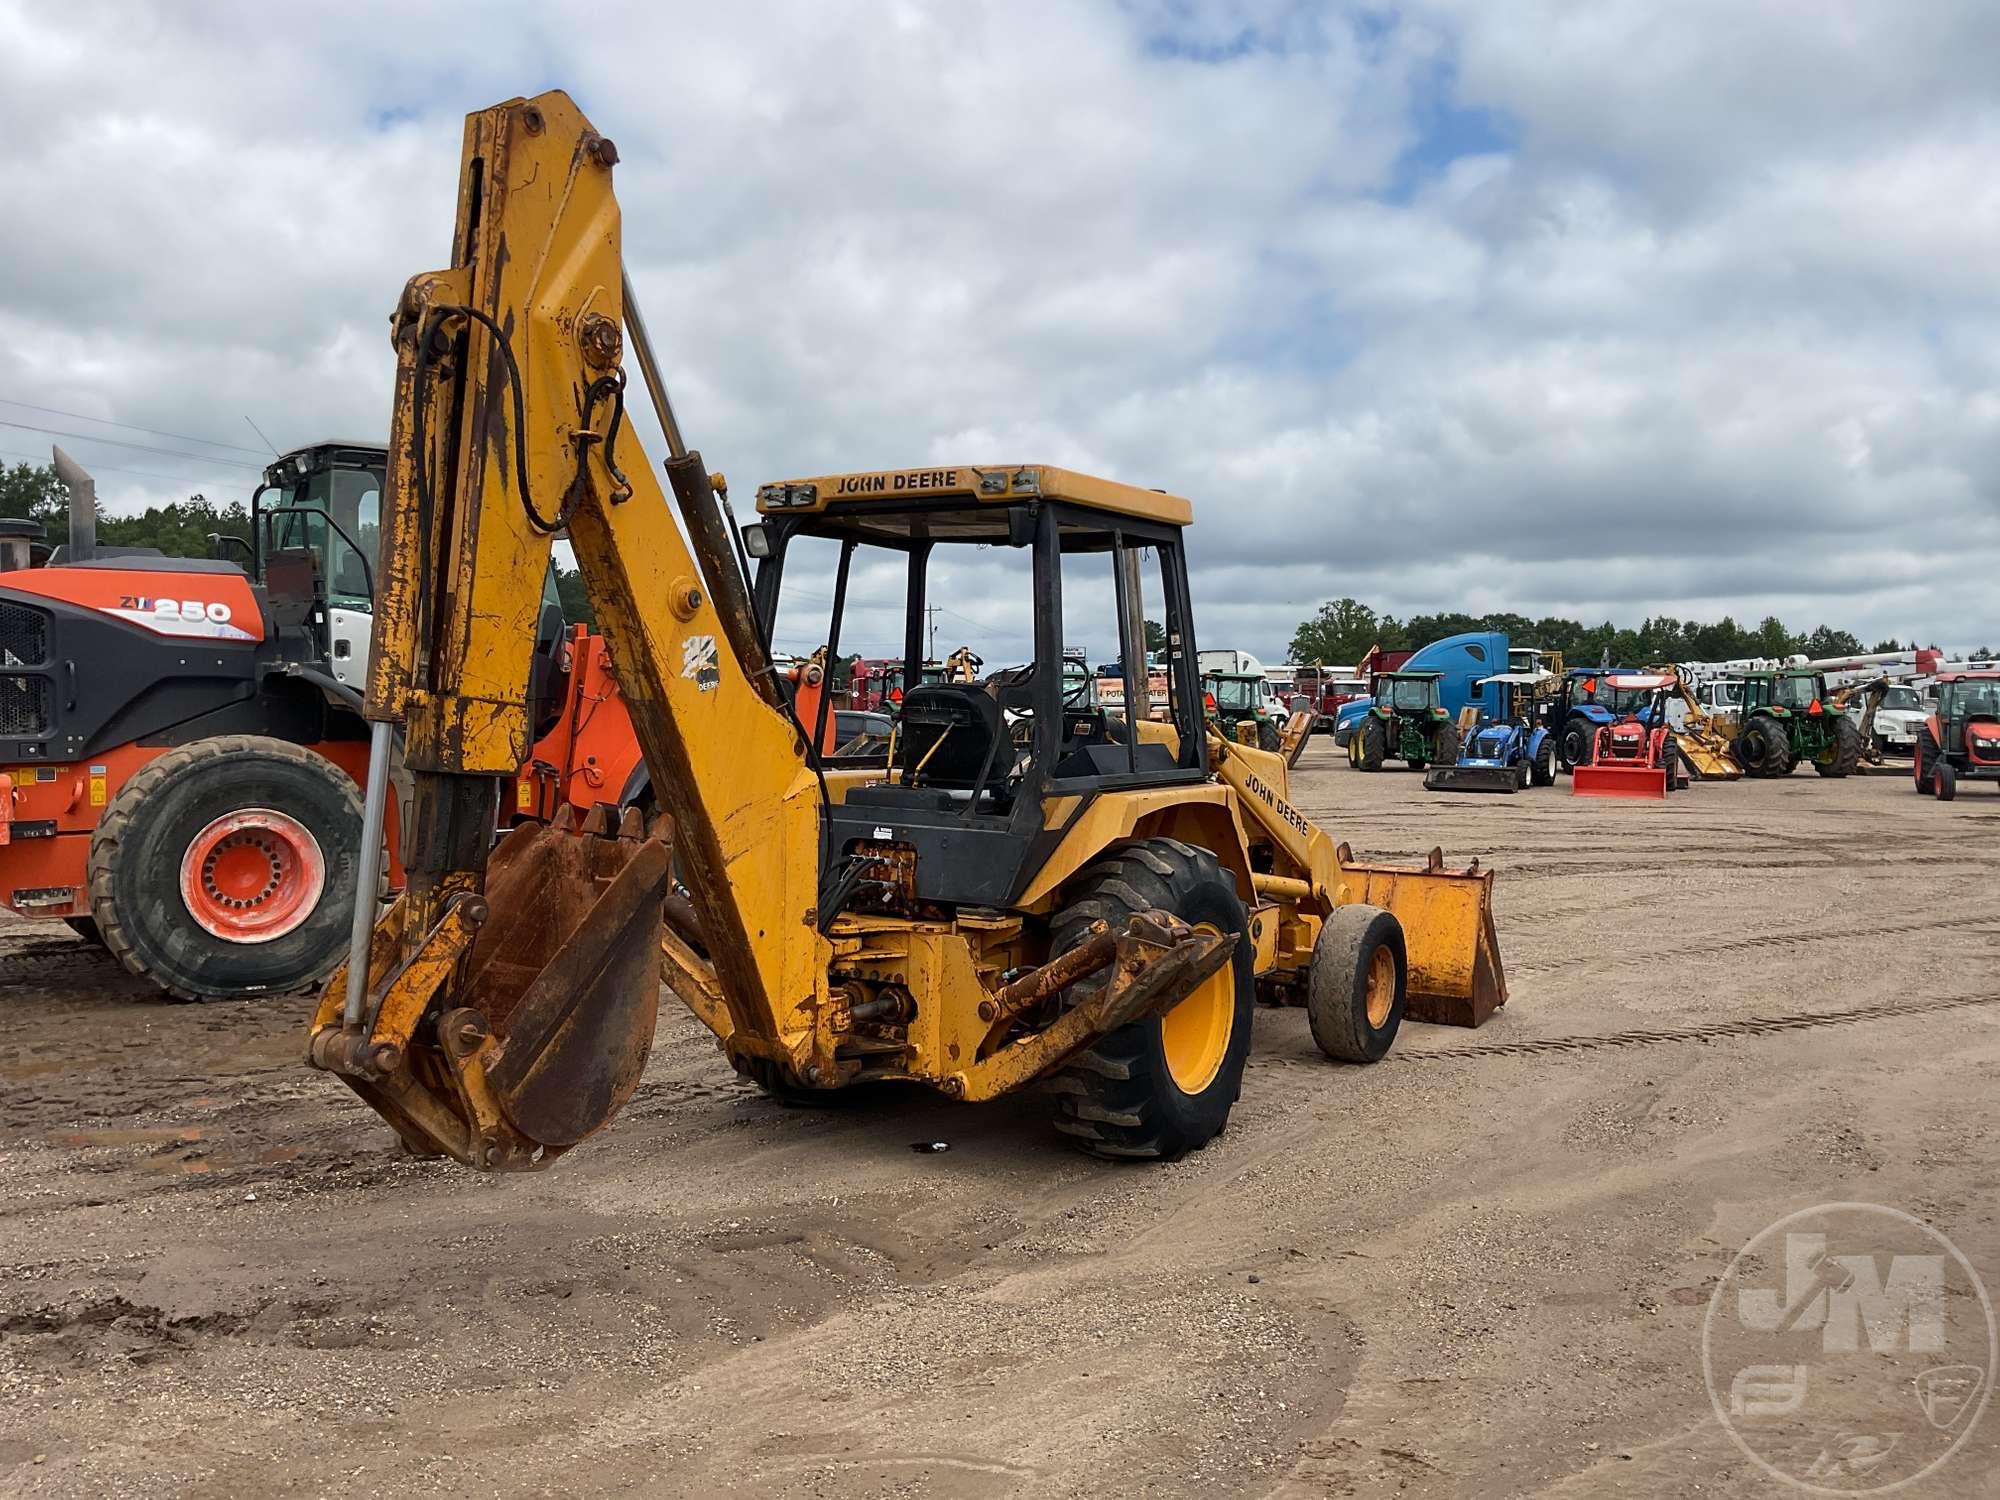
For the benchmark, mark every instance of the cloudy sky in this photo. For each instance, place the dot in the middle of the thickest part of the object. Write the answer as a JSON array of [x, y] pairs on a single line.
[[1598, 309]]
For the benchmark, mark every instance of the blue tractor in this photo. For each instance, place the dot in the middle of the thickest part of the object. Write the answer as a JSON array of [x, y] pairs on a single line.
[[1586, 701], [1507, 753]]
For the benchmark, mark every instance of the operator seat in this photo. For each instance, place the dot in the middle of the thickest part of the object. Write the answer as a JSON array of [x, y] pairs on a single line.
[[949, 729]]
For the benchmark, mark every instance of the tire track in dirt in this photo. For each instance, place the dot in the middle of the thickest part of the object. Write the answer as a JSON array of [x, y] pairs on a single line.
[[1715, 1031], [1764, 941]]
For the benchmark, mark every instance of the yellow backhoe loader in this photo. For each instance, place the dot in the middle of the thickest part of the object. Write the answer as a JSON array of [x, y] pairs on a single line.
[[1017, 891]]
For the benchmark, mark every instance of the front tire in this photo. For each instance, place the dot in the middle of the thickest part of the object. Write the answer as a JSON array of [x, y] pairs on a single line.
[[1162, 1087], [1357, 984], [1268, 737], [226, 868], [1947, 781]]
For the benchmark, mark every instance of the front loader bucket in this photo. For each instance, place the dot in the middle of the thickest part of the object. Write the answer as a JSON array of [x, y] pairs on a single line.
[[1472, 779], [522, 1021], [1638, 783], [1455, 974]]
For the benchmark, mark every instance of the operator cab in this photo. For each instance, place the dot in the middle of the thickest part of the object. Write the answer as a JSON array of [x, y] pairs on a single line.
[[1796, 692], [314, 547], [1409, 692], [980, 778]]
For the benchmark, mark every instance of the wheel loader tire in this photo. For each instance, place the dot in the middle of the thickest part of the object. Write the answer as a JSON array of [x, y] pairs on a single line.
[[1545, 765], [1161, 1087], [226, 868], [1268, 737], [1947, 781], [1374, 737], [1356, 984], [1846, 752], [85, 928]]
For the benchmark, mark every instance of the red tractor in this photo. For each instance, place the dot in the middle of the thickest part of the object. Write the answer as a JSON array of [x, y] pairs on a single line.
[[1634, 756], [1961, 741]]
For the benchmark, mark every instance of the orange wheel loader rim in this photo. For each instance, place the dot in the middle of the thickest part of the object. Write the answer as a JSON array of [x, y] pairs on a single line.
[[252, 875], [1195, 1033], [1381, 987]]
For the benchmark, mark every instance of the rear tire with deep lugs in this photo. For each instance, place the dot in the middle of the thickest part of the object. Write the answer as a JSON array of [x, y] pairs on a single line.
[[1160, 1087]]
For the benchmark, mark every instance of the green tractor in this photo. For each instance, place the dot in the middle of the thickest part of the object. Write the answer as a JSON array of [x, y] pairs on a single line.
[[1236, 699], [1406, 722], [1786, 717]]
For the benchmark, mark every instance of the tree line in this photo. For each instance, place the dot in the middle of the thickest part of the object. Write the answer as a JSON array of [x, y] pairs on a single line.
[[1342, 630], [180, 528]]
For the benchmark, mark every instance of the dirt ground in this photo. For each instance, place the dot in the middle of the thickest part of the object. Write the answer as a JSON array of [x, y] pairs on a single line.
[[1477, 1268]]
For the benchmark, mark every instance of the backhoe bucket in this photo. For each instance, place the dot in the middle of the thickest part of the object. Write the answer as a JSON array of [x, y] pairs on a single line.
[[1472, 779], [512, 1034], [1635, 782], [1455, 974]]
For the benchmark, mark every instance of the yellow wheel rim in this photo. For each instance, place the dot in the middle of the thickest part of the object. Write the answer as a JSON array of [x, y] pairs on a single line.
[[1381, 987], [1195, 1033]]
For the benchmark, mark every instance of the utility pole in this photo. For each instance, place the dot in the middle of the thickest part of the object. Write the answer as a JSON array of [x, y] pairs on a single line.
[[931, 610]]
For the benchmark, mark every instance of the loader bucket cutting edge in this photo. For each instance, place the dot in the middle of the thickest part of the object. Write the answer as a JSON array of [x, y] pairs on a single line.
[[1455, 974], [1634, 783], [1471, 779]]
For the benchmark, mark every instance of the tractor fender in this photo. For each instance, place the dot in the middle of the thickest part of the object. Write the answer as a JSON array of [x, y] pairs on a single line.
[[1537, 737], [1204, 816]]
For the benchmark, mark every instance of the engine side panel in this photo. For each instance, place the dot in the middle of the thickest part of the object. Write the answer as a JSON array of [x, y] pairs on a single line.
[[103, 680]]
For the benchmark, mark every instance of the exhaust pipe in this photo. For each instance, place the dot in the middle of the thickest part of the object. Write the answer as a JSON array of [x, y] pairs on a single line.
[[82, 507]]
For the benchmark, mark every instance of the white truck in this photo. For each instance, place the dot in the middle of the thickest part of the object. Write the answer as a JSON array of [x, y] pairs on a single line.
[[1902, 712]]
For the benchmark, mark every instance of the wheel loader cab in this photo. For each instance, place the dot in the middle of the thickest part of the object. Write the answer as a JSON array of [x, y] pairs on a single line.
[[981, 779], [314, 549]]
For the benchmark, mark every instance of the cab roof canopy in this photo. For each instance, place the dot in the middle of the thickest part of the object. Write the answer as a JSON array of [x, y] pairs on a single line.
[[966, 503]]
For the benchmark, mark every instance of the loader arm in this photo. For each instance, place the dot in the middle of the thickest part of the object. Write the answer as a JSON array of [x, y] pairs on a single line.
[[510, 427], [1450, 943]]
